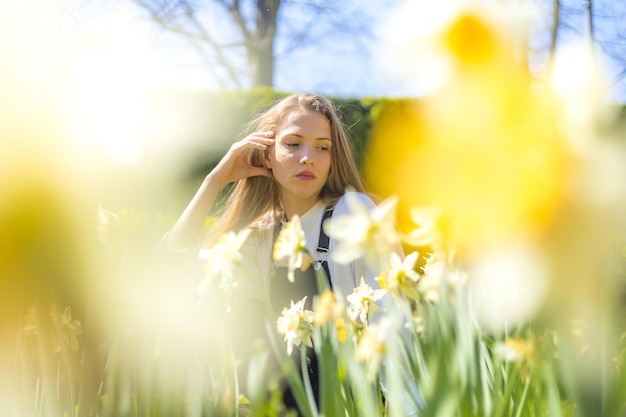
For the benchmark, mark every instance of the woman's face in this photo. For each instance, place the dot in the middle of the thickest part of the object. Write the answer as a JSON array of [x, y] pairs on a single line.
[[300, 159]]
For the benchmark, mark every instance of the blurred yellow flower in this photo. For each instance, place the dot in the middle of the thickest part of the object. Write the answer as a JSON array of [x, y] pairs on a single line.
[[327, 308], [31, 322], [485, 147], [342, 329], [362, 302], [70, 328], [470, 40], [296, 325], [290, 244], [426, 231]]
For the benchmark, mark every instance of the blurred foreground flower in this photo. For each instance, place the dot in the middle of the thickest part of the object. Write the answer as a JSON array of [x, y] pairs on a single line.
[[327, 308], [296, 325], [222, 263], [70, 328], [364, 233], [484, 146], [514, 350], [65, 329], [290, 244]]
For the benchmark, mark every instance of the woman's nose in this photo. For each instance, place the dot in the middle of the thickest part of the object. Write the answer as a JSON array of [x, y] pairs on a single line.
[[306, 156]]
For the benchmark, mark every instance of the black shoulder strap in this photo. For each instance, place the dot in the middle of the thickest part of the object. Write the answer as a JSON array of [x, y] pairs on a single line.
[[323, 243]]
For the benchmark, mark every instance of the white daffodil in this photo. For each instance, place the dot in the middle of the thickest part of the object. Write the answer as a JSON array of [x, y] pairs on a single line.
[[514, 350], [364, 233], [361, 303], [296, 325], [401, 278], [222, 262], [439, 271], [290, 244], [371, 346]]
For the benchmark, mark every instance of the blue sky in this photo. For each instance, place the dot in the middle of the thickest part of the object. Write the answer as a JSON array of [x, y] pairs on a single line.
[[112, 36]]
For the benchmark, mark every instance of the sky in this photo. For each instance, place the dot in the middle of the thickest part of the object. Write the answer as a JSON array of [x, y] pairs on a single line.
[[103, 57], [114, 38]]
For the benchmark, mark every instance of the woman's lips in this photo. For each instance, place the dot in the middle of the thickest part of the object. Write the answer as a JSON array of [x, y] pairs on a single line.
[[305, 176]]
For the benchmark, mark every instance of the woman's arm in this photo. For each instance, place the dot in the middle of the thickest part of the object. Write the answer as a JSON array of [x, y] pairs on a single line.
[[233, 167]]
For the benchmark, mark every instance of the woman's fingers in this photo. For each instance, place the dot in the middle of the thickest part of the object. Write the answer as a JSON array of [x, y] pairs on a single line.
[[235, 166], [260, 140]]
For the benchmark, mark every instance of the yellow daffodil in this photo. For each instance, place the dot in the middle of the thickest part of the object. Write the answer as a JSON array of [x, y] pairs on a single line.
[[401, 278], [485, 145], [70, 328], [327, 308], [364, 233], [296, 325], [290, 244], [342, 329], [362, 302]]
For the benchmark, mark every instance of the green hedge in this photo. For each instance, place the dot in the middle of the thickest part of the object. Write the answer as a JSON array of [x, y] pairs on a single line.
[[210, 121]]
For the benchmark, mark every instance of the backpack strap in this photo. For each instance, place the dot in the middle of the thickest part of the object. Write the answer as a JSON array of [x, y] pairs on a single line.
[[322, 245]]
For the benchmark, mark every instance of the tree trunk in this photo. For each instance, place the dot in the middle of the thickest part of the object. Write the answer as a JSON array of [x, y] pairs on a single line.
[[555, 31], [260, 50]]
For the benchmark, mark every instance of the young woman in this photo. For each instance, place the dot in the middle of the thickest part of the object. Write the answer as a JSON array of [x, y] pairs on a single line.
[[297, 161]]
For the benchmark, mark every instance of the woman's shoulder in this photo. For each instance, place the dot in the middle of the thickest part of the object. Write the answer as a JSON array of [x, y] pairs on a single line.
[[342, 205]]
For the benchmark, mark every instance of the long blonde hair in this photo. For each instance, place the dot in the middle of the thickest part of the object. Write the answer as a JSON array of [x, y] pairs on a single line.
[[256, 198]]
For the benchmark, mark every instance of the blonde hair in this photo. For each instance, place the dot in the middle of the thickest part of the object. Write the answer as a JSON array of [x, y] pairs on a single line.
[[255, 201]]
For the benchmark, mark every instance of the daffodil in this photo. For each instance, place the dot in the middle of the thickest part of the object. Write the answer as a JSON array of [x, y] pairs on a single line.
[[485, 144], [364, 233], [361, 303], [371, 346], [514, 350], [439, 271], [401, 278], [327, 308], [222, 262], [417, 321], [426, 232], [70, 328], [296, 325], [31, 322], [290, 244]]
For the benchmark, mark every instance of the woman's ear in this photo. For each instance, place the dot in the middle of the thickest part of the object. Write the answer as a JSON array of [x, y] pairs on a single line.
[[266, 159]]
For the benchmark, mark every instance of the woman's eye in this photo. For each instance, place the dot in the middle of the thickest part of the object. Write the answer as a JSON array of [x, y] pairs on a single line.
[[292, 144], [323, 148]]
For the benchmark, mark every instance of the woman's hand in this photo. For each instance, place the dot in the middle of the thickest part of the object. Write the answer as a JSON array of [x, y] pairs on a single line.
[[235, 166]]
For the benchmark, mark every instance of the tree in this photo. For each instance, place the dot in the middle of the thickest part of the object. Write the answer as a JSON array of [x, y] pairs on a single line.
[[599, 23], [238, 38]]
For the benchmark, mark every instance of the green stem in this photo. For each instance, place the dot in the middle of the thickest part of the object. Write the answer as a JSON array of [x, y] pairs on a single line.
[[522, 401]]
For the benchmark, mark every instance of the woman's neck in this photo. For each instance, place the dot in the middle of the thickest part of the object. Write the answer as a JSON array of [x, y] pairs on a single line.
[[298, 207]]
